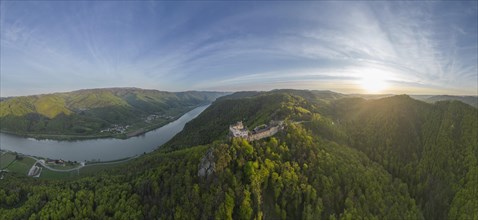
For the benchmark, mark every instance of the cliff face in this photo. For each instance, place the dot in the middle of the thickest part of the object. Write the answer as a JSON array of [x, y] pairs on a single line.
[[207, 165]]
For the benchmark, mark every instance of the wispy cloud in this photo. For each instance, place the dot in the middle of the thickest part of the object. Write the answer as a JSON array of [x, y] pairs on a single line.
[[415, 46]]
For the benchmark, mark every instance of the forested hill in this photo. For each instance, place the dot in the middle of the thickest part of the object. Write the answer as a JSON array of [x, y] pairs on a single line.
[[254, 108], [470, 100], [433, 148], [86, 112], [337, 158]]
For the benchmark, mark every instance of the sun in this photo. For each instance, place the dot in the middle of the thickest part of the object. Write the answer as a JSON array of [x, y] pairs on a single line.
[[373, 84]]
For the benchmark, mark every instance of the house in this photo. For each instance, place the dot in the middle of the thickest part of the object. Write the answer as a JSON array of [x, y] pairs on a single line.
[[58, 162]]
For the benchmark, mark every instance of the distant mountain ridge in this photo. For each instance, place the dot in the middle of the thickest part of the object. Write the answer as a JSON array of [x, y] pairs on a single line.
[[87, 112], [470, 100]]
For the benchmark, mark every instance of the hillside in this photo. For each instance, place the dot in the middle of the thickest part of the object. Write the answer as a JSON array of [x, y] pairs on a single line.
[[338, 158], [434, 148], [85, 113], [431, 147], [470, 100], [271, 179], [254, 108]]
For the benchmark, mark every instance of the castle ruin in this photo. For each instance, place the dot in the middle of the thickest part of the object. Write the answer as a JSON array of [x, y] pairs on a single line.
[[263, 131]]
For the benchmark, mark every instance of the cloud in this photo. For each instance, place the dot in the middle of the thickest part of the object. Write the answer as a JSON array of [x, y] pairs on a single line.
[[182, 46]]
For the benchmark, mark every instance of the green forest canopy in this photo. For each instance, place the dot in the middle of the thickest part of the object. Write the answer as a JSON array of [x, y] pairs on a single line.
[[338, 158]]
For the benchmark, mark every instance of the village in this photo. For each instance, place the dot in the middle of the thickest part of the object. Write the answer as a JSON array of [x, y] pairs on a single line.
[[154, 117], [121, 129], [116, 129]]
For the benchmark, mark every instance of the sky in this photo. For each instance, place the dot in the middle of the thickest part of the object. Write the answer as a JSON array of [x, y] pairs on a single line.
[[349, 47]]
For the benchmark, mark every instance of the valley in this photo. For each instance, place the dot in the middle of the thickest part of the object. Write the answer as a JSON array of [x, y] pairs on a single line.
[[103, 149], [337, 157], [97, 113], [248, 110]]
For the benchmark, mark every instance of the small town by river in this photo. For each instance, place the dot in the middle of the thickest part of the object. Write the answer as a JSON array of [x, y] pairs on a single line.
[[98, 149]]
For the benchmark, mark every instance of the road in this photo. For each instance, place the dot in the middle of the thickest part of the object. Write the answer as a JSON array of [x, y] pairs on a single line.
[[41, 162]]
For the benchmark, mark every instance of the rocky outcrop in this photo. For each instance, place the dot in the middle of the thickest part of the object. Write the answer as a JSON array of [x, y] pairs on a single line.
[[207, 165]]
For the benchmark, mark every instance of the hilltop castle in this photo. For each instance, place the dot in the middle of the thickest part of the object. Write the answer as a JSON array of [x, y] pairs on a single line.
[[263, 131]]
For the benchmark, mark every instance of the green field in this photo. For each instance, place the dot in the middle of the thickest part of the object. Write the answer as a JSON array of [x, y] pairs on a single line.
[[67, 166], [6, 159], [21, 166]]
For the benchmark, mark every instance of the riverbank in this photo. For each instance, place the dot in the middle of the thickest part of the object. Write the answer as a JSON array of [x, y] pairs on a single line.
[[73, 137], [137, 129], [102, 149], [98, 155], [20, 164], [58, 137]]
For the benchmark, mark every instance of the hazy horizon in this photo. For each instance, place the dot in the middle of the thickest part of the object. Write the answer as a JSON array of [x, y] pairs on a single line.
[[258, 90], [415, 48]]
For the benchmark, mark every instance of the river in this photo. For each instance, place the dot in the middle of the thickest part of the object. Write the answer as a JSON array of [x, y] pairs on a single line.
[[98, 149]]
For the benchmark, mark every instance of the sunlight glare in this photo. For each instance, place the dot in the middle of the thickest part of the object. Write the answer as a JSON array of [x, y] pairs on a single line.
[[373, 84]]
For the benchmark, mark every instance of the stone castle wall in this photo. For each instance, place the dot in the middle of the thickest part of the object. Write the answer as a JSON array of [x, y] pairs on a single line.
[[238, 130], [263, 134]]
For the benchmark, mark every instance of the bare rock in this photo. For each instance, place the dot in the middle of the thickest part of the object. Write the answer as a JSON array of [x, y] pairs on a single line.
[[207, 165]]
